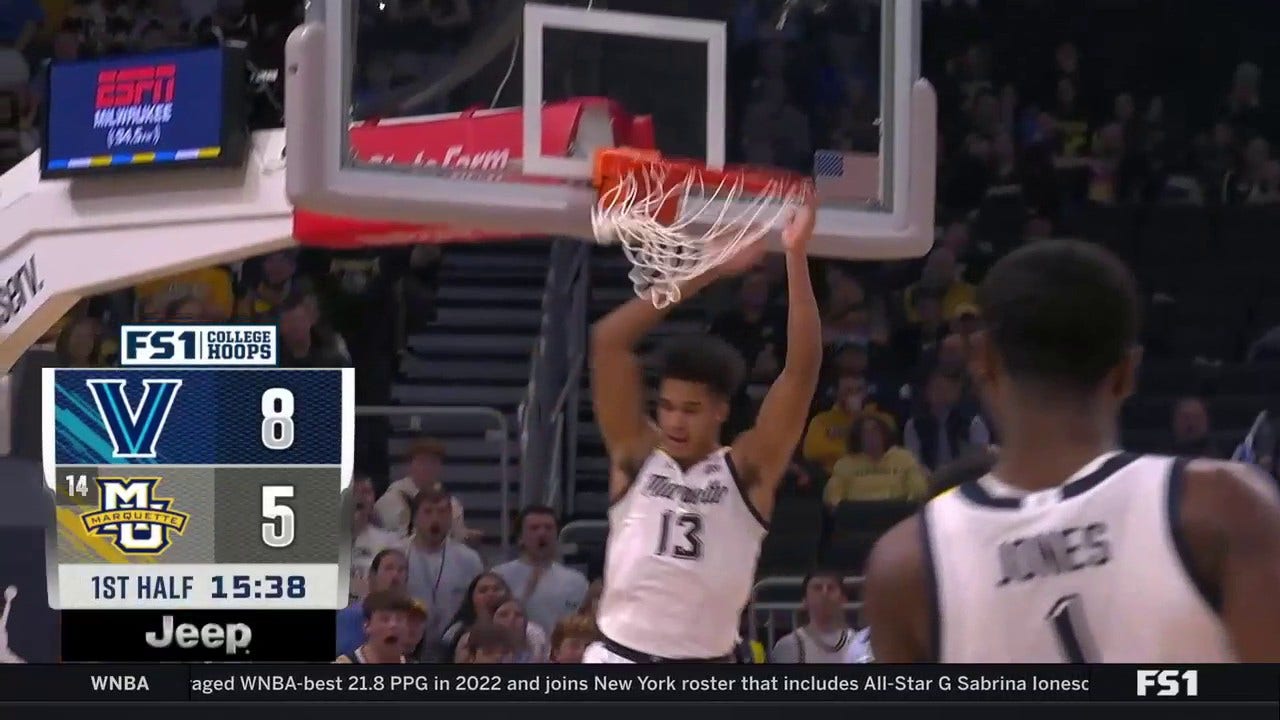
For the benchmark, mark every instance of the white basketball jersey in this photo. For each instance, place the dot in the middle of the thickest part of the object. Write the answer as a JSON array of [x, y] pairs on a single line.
[[1093, 570], [844, 647], [681, 558]]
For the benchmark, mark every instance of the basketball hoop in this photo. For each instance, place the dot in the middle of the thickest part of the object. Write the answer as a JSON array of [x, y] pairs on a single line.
[[677, 219]]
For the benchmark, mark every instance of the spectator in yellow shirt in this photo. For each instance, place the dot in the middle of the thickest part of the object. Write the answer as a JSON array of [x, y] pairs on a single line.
[[211, 286], [940, 275], [876, 469], [826, 440]]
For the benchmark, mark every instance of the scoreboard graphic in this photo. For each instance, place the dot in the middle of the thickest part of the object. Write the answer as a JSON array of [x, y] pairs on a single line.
[[190, 490]]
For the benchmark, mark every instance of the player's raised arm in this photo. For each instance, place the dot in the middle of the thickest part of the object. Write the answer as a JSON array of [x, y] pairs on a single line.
[[617, 376], [1230, 519], [763, 453], [617, 380]]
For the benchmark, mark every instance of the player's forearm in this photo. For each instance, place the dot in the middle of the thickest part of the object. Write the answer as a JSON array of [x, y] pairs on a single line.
[[626, 326], [804, 325]]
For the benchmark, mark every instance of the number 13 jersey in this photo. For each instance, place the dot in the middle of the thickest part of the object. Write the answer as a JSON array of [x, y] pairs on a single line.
[[681, 558], [1094, 570]]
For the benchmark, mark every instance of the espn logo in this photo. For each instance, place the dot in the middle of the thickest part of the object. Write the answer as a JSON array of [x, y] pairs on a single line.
[[1169, 683], [152, 85]]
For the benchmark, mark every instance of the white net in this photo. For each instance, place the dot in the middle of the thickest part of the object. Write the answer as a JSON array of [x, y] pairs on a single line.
[[714, 220]]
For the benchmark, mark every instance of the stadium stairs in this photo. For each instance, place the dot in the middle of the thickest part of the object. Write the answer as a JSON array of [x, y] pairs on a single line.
[[475, 354]]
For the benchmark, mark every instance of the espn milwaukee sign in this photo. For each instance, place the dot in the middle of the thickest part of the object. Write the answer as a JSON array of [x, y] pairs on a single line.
[[465, 146], [135, 96]]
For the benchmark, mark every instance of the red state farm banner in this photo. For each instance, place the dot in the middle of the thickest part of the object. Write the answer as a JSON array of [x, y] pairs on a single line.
[[471, 145]]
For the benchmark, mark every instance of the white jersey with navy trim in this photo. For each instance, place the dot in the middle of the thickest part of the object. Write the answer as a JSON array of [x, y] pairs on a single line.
[[808, 645], [680, 560], [1094, 570]]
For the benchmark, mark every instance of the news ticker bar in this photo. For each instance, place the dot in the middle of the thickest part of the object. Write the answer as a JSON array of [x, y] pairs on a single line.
[[636, 683]]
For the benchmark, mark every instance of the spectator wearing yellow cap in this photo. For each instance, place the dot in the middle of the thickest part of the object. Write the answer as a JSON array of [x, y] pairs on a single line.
[[964, 319], [417, 628], [876, 468]]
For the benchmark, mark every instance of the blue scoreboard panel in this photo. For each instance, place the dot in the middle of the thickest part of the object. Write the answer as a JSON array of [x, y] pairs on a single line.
[[199, 511]]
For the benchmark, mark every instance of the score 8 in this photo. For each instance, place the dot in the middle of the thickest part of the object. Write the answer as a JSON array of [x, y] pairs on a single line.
[[277, 419]]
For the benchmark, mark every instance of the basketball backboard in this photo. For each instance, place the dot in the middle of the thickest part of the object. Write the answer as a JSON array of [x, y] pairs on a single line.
[[484, 115]]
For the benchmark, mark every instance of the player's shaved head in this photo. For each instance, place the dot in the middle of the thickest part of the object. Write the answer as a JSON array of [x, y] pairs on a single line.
[[1060, 313]]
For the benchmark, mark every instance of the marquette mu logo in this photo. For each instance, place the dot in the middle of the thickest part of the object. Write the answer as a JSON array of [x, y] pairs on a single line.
[[129, 510], [134, 430]]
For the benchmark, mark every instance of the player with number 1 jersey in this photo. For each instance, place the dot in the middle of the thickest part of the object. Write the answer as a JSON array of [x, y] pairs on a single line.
[[688, 515], [1070, 549]]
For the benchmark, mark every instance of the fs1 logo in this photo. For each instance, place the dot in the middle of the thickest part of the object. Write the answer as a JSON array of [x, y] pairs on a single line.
[[1170, 683], [129, 510], [148, 85], [147, 345], [134, 430]]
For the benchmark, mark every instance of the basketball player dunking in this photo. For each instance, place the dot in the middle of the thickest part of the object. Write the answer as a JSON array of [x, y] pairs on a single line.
[[688, 515], [1071, 550]]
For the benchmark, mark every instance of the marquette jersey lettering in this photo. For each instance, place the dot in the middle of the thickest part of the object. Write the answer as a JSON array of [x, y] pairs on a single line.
[[681, 556], [1089, 571]]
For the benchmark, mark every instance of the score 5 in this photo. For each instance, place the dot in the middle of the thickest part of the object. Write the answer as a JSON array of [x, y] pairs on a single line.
[[278, 518], [277, 419]]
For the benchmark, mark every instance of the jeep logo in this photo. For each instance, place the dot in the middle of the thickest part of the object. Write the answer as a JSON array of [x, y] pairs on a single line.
[[234, 637]]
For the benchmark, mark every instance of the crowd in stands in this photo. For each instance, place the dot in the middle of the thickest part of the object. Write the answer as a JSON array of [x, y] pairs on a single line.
[[412, 547], [1041, 123], [1030, 120], [1038, 122]]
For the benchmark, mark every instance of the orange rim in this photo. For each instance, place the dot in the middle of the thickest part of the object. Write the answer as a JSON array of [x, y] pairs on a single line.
[[614, 165]]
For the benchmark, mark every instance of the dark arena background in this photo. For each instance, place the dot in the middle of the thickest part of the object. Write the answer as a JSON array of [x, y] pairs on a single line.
[[191, 555]]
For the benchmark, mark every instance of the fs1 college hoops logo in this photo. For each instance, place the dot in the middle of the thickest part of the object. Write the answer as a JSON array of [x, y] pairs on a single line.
[[128, 507]]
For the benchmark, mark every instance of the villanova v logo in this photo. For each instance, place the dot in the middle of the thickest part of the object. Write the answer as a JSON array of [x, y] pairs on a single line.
[[134, 430]]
